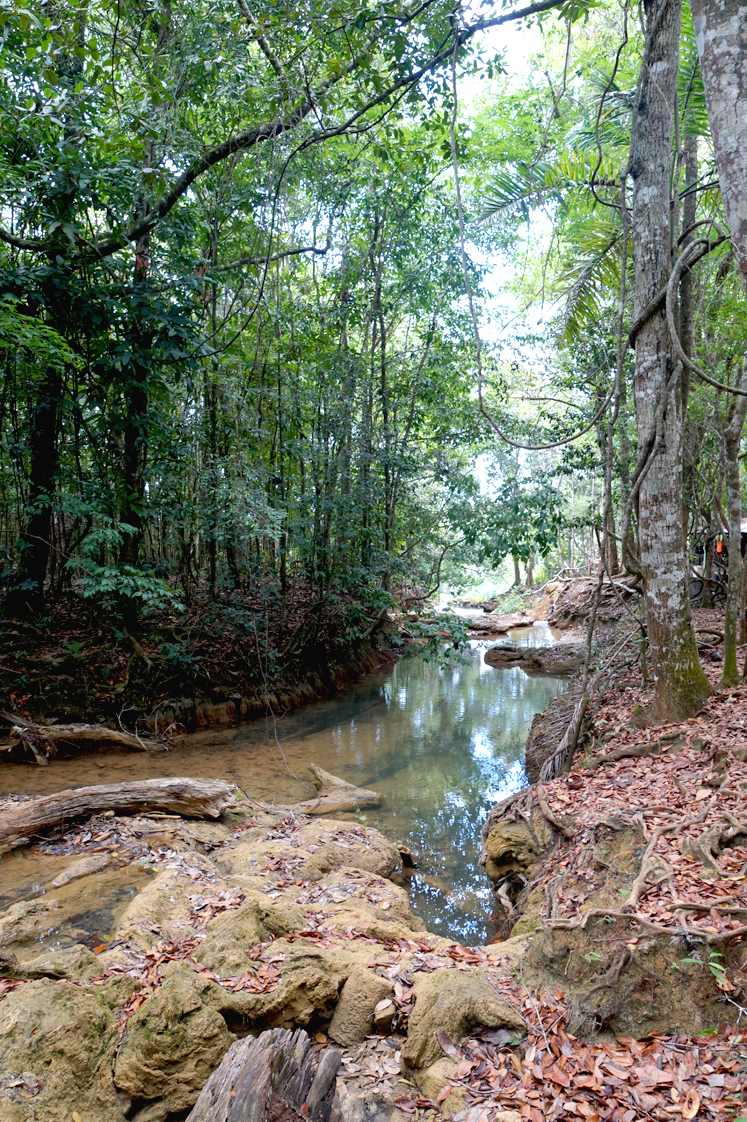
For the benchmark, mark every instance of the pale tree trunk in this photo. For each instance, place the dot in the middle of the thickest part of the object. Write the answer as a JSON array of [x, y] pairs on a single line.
[[721, 35], [730, 441], [681, 685]]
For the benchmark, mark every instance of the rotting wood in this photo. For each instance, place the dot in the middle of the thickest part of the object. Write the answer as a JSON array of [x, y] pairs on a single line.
[[335, 795], [268, 1078], [194, 798], [42, 740]]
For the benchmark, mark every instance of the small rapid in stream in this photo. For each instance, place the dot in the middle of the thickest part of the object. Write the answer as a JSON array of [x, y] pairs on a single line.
[[441, 745]]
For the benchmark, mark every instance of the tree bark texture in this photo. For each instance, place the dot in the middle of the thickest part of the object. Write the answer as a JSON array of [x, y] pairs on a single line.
[[270, 1079], [721, 36], [730, 441], [194, 798], [681, 685]]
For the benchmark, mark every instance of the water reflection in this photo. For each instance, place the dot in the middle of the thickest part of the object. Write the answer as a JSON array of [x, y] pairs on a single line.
[[440, 744]]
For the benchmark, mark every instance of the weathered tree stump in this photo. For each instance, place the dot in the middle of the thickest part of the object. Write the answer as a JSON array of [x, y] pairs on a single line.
[[195, 798], [270, 1079]]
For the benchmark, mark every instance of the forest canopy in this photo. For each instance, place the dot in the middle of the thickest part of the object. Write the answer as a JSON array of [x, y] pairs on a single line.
[[354, 297]]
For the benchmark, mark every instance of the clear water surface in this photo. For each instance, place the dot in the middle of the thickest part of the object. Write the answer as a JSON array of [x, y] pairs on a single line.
[[441, 745]]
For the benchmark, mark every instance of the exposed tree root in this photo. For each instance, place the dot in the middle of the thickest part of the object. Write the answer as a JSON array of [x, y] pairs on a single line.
[[628, 751], [552, 818]]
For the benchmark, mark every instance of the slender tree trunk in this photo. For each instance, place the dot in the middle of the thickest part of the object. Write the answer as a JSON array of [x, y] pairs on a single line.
[[136, 410], [731, 439], [708, 572], [681, 685], [517, 572], [721, 36]]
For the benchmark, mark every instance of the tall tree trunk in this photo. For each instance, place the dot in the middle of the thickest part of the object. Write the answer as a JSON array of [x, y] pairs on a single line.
[[731, 439], [681, 686], [721, 36], [136, 415]]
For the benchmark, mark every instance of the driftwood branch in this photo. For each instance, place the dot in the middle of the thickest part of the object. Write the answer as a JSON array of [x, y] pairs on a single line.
[[194, 798], [42, 740], [335, 795], [268, 1078]]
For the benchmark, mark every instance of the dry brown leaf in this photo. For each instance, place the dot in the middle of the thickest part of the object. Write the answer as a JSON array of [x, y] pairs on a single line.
[[691, 1104], [446, 1044]]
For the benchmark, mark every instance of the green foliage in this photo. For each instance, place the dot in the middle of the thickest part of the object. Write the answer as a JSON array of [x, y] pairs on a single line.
[[117, 587]]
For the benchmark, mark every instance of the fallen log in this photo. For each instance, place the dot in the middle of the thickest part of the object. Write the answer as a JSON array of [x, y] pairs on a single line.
[[42, 740], [335, 795], [269, 1078], [194, 798]]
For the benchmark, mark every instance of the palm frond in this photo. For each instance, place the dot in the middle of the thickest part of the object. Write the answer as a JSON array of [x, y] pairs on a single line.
[[521, 186], [595, 272], [693, 112]]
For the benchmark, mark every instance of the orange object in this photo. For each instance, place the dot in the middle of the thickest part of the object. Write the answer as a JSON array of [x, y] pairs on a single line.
[[719, 546]]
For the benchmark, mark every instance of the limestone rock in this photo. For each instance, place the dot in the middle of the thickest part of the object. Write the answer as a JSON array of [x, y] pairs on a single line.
[[455, 1001], [512, 847], [335, 845], [311, 980], [65, 1038], [172, 1045], [69, 962], [160, 911], [353, 1018], [81, 868], [384, 1013], [24, 923], [368, 1106], [432, 1079], [233, 933]]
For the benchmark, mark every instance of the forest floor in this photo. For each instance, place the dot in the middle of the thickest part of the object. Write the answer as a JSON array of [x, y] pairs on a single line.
[[233, 650], [636, 908]]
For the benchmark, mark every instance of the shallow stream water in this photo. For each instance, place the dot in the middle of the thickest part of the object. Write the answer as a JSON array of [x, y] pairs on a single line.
[[441, 745]]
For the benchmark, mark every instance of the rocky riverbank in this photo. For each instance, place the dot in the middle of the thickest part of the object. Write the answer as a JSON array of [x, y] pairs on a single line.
[[269, 919], [151, 942]]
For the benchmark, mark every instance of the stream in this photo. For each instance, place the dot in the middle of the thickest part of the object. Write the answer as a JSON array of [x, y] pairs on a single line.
[[441, 745]]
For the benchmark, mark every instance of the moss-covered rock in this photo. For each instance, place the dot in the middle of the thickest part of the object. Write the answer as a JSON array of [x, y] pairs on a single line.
[[172, 1044], [65, 1037], [454, 1002]]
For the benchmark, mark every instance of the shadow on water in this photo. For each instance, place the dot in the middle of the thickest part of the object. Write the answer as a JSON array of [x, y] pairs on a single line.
[[441, 744]]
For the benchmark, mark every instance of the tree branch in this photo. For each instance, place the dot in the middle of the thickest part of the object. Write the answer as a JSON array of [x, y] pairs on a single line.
[[250, 138]]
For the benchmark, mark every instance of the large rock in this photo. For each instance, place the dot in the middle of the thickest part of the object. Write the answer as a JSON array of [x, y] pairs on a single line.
[[313, 850], [514, 847], [160, 911], [454, 1002], [68, 962], [233, 933], [562, 658], [172, 1045], [25, 925], [63, 1038], [353, 1018]]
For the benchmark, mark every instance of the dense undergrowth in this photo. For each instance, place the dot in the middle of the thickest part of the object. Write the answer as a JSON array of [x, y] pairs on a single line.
[[75, 661]]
